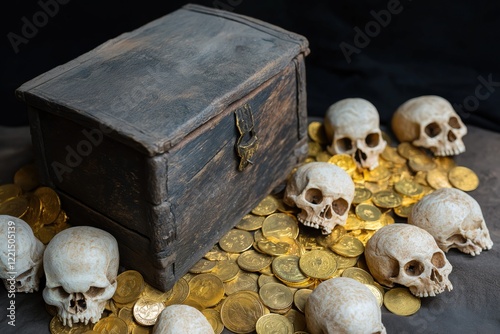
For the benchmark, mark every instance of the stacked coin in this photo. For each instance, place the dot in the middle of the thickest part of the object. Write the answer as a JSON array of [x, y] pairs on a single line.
[[39, 206]]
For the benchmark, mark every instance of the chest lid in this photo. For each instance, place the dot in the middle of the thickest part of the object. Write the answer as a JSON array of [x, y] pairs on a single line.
[[156, 84]]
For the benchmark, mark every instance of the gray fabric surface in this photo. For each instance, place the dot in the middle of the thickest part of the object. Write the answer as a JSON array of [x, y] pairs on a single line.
[[472, 307]]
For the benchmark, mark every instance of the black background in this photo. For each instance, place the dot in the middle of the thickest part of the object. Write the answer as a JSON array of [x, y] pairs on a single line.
[[427, 47]]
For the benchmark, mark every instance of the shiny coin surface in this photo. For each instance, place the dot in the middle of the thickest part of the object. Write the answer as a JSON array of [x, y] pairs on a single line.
[[214, 319], [8, 191], [401, 302], [300, 298], [313, 150], [274, 324], [297, 319], [286, 268], [421, 162], [180, 292], [111, 325], [376, 292], [152, 293], [404, 210], [358, 274], [361, 194], [391, 154], [15, 207], [226, 270], [266, 207], [316, 132], [276, 296], [146, 311], [387, 199], [280, 225], [377, 174], [320, 264], [236, 241], [57, 327], [240, 311], [206, 289], [202, 266], [244, 281], [348, 246], [408, 188], [463, 178], [406, 150], [368, 212], [344, 161], [274, 248], [50, 203], [250, 222], [130, 284], [252, 261], [438, 178]]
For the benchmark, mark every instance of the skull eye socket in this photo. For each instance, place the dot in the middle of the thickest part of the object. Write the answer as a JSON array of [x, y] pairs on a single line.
[[438, 260], [432, 129], [414, 268], [314, 196], [372, 140], [340, 206], [94, 291], [454, 123], [344, 145]]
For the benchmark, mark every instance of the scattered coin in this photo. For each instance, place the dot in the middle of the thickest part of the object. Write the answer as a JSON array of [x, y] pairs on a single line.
[[266, 207], [348, 246], [274, 323], [320, 264], [316, 132], [111, 325], [463, 178], [129, 286], [401, 302], [367, 212], [147, 311]]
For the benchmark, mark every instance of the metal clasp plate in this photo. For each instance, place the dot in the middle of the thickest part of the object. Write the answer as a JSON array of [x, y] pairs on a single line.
[[247, 143]]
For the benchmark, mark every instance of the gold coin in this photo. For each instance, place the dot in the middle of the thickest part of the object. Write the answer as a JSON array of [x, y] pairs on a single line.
[[323, 156], [407, 150], [300, 298], [216, 254], [267, 206], [252, 261], [358, 274], [151, 293], [56, 327], [127, 315], [368, 212], [280, 225], [421, 162], [313, 149], [273, 248], [316, 132], [444, 163], [32, 215], [401, 302], [111, 325], [404, 210], [361, 194], [129, 286], [319, 264], [345, 262], [438, 178], [15, 207], [297, 319], [214, 319], [180, 292], [387, 199], [206, 289], [348, 246], [50, 203], [408, 188], [274, 323], [377, 174], [329, 239], [244, 281], [376, 292], [146, 311], [138, 329], [240, 311], [236, 241], [27, 177], [202, 266], [286, 268], [264, 279], [226, 270], [463, 178], [391, 154], [250, 223], [8, 191], [276, 296], [344, 161]]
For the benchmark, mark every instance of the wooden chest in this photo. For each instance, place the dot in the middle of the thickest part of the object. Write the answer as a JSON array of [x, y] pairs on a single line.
[[167, 135]]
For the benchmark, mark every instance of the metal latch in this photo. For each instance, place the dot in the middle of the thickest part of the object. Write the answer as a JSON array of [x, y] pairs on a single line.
[[247, 143]]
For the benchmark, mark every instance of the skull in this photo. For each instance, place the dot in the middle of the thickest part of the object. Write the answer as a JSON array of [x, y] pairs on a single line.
[[353, 127], [176, 319], [323, 191], [408, 255], [343, 305], [430, 122], [81, 264], [21, 255], [454, 219]]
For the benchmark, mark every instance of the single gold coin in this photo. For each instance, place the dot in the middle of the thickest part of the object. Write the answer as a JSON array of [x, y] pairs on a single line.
[[280, 225], [202, 266], [129, 286], [463, 178], [253, 261], [404, 210], [8, 191], [264, 279], [50, 203], [391, 154], [152, 293], [127, 315], [401, 302], [376, 292], [407, 150], [313, 149], [240, 311], [387, 199], [378, 174], [276, 296], [56, 327], [216, 254], [244, 281], [300, 298], [146, 311], [180, 292], [438, 178], [408, 188], [368, 212], [32, 215], [345, 262], [27, 177], [320, 264], [361, 194], [226, 270], [327, 240], [348, 246], [250, 222], [445, 163], [316, 132], [236, 241], [15, 207], [206, 289], [421, 162], [358, 274], [266, 207], [273, 248], [214, 319], [286, 268], [111, 325], [344, 161], [273, 324]]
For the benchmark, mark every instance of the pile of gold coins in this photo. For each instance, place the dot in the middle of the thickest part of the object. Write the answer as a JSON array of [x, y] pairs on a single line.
[[40, 207], [261, 273]]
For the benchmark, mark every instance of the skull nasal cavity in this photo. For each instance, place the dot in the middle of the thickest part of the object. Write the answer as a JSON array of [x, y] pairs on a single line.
[[372, 140], [438, 260], [414, 268], [432, 129], [451, 136], [340, 206], [344, 145], [314, 196]]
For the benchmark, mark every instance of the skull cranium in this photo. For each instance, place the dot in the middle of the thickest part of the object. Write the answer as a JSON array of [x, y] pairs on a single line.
[[81, 265], [408, 255], [21, 255], [182, 319], [353, 127], [324, 192], [454, 219], [430, 121]]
